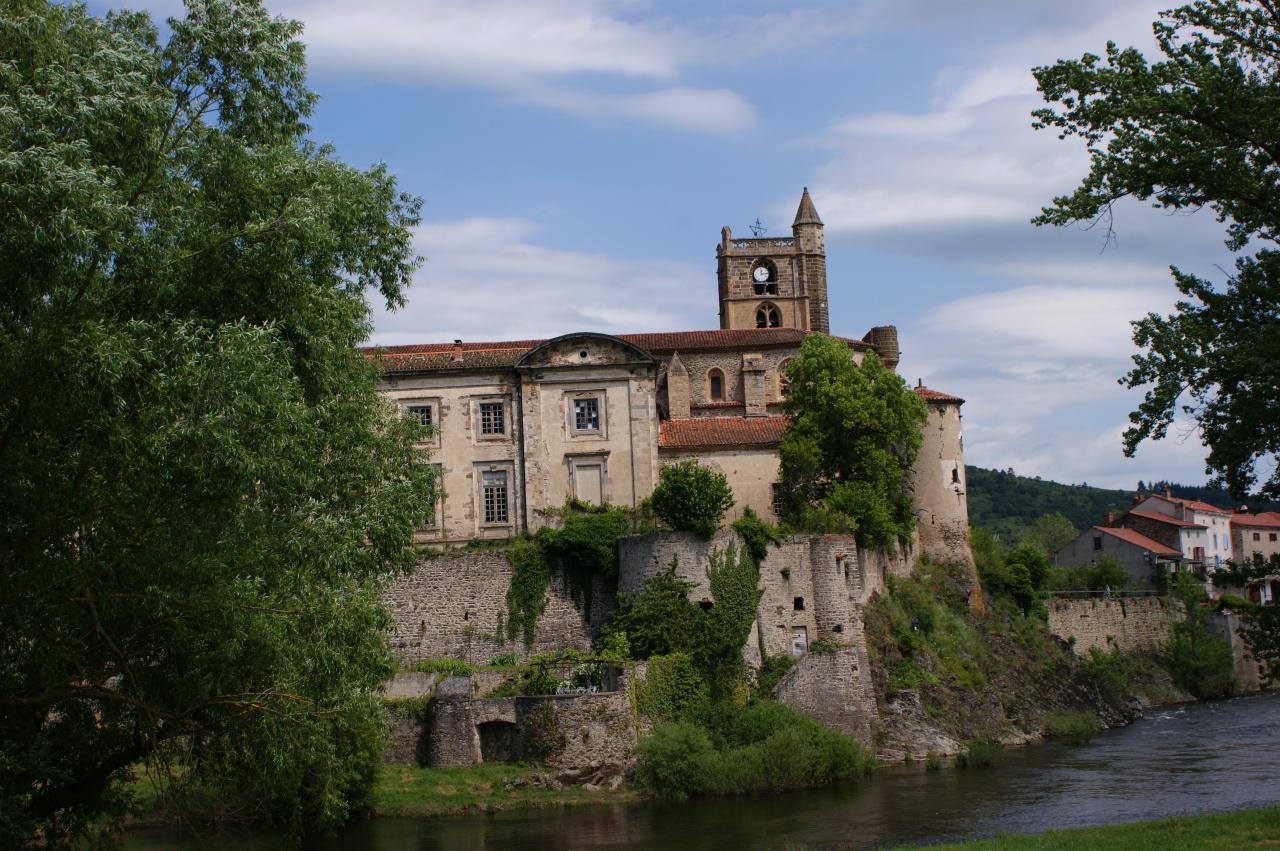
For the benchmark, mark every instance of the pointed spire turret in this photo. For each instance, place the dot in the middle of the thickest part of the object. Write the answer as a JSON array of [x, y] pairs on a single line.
[[807, 214]]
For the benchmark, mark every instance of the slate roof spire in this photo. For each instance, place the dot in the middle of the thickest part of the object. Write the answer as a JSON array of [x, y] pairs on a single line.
[[807, 214]]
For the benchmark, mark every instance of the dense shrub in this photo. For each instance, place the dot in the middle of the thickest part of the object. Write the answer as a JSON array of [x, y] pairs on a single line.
[[451, 667], [1071, 724], [756, 534], [691, 498], [673, 689], [1103, 575], [660, 618], [979, 754], [766, 747], [771, 672], [1199, 662]]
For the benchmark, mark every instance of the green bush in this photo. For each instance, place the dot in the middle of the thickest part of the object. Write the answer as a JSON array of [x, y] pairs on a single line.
[[1071, 724], [1112, 672], [675, 761], [673, 688], [1034, 560], [1199, 662], [766, 747], [451, 667], [660, 618], [771, 672], [691, 498], [979, 753], [756, 534]]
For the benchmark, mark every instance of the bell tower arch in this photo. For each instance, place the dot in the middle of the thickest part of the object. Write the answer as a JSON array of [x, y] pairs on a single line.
[[775, 282]]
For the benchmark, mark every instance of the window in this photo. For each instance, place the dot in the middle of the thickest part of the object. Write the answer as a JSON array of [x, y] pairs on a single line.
[[798, 604], [1272, 537], [1097, 542], [586, 414], [1257, 536], [492, 418], [424, 413], [715, 385], [764, 278], [494, 494], [955, 475], [437, 507], [784, 383], [767, 316]]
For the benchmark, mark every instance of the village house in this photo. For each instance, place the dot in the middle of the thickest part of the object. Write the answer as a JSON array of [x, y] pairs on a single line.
[[1142, 558], [520, 427], [1257, 535]]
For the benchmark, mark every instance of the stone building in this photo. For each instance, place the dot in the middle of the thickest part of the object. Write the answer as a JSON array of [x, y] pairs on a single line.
[[521, 426], [1143, 559]]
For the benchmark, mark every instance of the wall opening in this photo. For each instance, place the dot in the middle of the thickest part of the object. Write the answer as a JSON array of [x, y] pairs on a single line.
[[497, 741], [798, 604]]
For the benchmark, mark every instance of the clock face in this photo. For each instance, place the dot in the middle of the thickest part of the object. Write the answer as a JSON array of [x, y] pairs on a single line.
[[761, 274]]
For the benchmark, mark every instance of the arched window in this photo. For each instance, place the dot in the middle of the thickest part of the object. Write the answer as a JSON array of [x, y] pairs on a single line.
[[764, 278], [767, 316], [784, 383], [715, 385]]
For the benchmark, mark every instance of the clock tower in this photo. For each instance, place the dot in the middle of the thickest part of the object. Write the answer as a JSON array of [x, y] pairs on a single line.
[[775, 282]]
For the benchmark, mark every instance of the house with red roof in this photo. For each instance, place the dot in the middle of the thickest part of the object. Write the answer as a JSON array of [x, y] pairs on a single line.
[[1144, 559], [519, 427], [1204, 529], [1257, 536]]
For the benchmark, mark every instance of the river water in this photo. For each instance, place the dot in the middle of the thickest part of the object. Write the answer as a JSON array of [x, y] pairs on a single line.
[[1206, 757]]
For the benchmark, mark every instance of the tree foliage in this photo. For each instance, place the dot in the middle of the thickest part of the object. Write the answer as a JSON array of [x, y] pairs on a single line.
[[1195, 129], [853, 436], [1199, 662], [1260, 625], [200, 489], [1050, 533], [691, 498]]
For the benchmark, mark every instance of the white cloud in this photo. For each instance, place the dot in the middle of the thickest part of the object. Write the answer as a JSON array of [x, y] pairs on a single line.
[[580, 56], [487, 279]]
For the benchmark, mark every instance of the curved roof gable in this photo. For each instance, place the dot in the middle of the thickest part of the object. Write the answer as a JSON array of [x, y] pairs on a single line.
[[584, 348]]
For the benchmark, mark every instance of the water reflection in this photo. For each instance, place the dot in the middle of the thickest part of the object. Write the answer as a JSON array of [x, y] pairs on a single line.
[[1214, 756]]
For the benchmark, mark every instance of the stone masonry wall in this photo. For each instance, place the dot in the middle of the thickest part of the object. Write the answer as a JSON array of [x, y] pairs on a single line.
[[836, 690], [1128, 624], [450, 607]]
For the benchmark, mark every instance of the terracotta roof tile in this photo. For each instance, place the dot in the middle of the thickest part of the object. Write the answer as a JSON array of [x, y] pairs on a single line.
[[1197, 505], [1269, 519], [936, 395], [721, 432], [1165, 518], [1139, 540], [431, 356]]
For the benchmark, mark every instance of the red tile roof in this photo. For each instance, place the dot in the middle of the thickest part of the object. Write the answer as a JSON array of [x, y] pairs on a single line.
[[936, 395], [1267, 519], [427, 356], [1139, 540], [721, 432], [1165, 518], [1194, 504]]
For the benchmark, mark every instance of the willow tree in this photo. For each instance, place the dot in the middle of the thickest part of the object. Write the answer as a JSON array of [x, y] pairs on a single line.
[[854, 433], [200, 490]]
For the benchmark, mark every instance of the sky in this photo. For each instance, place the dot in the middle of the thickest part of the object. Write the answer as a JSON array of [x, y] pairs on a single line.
[[577, 159]]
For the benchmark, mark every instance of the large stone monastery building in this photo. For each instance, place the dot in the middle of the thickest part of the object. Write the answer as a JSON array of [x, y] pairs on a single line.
[[521, 426]]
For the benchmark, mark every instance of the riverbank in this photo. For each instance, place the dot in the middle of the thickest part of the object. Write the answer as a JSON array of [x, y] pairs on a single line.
[[1244, 829], [407, 790]]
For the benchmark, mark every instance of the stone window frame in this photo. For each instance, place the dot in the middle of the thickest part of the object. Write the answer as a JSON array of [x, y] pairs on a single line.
[[784, 383], [437, 513], [770, 285], [712, 374], [770, 314], [574, 460], [602, 411], [482, 472], [478, 414], [409, 408]]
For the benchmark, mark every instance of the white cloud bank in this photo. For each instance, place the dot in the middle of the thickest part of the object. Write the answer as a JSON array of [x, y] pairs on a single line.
[[488, 279]]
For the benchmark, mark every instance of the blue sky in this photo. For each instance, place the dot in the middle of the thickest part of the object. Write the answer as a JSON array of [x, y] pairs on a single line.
[[577, 159]]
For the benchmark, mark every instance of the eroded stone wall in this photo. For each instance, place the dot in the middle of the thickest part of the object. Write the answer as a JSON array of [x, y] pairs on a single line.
[[1127, 624], [454, 603], [836, 690]]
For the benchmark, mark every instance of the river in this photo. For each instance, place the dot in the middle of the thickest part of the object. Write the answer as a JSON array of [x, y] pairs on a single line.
[[1197, 758]]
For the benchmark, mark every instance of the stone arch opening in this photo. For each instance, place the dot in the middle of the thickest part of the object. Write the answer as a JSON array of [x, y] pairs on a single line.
[[498, 741], [715, 384], [767, 316]]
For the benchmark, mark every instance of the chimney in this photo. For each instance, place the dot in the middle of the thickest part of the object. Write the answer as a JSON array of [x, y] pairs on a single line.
[[1108, 518], [1168, 494], [457, 351]]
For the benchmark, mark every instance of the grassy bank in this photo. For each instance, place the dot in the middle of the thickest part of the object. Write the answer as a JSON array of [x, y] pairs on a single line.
[[1244, 829], [408, 790]]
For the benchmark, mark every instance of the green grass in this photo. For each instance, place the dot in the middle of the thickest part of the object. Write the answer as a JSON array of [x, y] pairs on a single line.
[[407, 790], [1245, 829]]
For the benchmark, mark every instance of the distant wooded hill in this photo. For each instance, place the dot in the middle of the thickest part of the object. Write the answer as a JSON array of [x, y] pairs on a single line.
[[1007, 503]]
